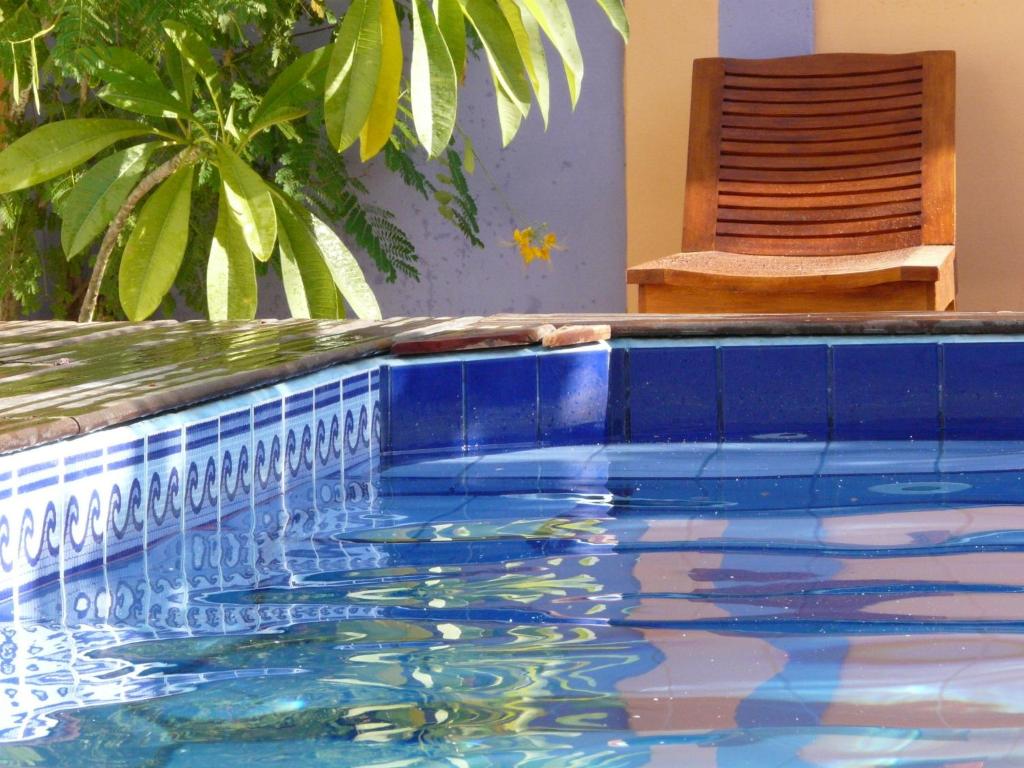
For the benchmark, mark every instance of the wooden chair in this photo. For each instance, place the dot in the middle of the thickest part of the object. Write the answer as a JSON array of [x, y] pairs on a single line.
[[815, 183]]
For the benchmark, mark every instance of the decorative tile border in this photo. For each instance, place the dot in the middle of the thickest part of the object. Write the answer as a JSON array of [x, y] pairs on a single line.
[[264, 467]]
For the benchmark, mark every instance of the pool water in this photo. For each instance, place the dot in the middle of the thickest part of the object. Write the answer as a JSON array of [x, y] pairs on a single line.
[[791, 604]]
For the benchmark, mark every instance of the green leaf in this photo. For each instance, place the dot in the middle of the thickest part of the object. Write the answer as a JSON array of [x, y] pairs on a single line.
[[308, 285], [381, 120], [153, 253], [56, 148], [134, 85], [194, 50], [509, 116], [469, 155], [345, 270], [536, 57], [617, 15], [452, 24], [289, 95], [183, 76], [96, 198], [352, 73], [556, 21], [502, 52], [434, 85], [249, 200], [230, 272]]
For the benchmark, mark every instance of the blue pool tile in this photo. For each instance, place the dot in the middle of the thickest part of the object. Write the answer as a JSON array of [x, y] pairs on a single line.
[[617, 419], [165, 452], [501, 402], [426, 407], [673, 395], [983, 396], [327, 444], [886, 391], [573, 396], [267, 449], [202, 472], [775, 392]]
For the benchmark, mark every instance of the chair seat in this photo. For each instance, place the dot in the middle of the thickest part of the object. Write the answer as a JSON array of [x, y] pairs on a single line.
[[747, 272]]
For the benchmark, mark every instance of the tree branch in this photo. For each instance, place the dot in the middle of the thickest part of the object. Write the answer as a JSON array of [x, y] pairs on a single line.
[[185, 157]]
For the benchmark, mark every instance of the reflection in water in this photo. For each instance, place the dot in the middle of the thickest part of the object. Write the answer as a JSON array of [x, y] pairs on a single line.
[[545, 615]]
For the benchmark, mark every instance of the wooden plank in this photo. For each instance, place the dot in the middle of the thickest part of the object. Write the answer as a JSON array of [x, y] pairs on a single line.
[[939, 163], [702, 164], [815, 109], [797, 136], [840, 65], [834, 82], [882, 171], [820, 246], [821, 95], [804, 215], [901, 140], [832, 229]]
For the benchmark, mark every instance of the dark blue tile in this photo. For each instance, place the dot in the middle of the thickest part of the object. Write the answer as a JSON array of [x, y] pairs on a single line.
[[886, 391], [573, 397], [426, 407], [673, 394], [775, 391], [617, 425], [501, 402], [983, 396]]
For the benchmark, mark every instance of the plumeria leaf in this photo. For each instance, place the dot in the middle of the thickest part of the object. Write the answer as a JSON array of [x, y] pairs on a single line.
[[55, 148], [381, 120], [289, 95], [308, 285], [617, 15], [502, 52], [194, 50], [556, 21], [352, 73], [248, 198], [452, 24], [434, 85], [230, 272], [94, 201], [132, 84], [154, 251]]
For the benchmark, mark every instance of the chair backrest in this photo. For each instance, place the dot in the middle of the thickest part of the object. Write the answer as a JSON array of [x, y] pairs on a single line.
[[822, 154]]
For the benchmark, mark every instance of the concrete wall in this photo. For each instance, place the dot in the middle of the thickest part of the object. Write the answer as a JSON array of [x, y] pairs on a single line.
[[572, 177], [990, 121], [669, 34]]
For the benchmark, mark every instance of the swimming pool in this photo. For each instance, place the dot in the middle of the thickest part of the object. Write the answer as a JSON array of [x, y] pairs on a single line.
[[732, 552]]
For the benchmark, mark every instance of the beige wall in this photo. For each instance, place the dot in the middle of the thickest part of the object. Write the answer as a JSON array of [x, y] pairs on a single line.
[[666, 36], [986, 35]]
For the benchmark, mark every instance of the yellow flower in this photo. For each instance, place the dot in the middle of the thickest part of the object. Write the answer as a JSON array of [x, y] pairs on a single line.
[[534, 244]]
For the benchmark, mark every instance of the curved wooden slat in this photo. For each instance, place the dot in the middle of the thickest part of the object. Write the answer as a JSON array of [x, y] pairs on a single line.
[[815, 109], [822, 95], [885, 170], [823, 65], [895, 184], [798, 136], [830, 149], [863, 227], [807, 214], [820, 246], [821, 161], [822, 123], [826, 83]]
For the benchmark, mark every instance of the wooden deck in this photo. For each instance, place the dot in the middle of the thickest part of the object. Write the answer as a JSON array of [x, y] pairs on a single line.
[[61, 379]]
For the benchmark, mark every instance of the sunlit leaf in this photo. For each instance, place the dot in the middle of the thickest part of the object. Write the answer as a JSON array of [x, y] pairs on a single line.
[[617, 15], [182, 74], [249, 200], [153, 253], [502, 52], [94, 201], [348, 275], [556, 21], [230, 272], [194, 50], [452, 24], [132, 84], [434, 85], [509, 116], [352, 73], [308, 285], [56, 148], [289, 95], [381, 120], [535, 56]]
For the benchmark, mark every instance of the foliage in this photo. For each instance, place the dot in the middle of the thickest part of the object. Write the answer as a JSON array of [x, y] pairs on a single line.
[[204, 164]]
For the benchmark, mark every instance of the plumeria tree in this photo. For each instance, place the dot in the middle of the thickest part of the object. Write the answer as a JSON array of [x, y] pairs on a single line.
[[183, 137]]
